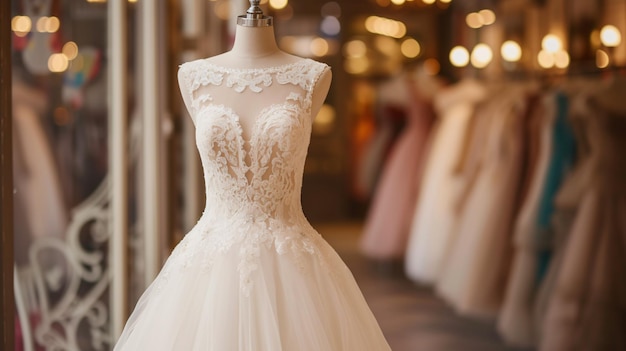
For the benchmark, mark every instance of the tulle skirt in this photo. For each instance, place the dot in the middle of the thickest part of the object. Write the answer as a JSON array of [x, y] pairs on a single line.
[[286, 303]]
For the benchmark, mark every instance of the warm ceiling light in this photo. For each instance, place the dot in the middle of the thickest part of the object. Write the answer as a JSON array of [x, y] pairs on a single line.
[[428, 2], [511, 51], [459, 56], [386, 45], [278, 4], [357, 65], [70, 49], [21, 24], [545, 59], [474, 20], [481, 56], [385, 26], [561, 59], [319, 47], [57, 63], [551, 43], [602, 59], [488, 17], [410, 48], [397, 2], [610, 36], [355, 48]]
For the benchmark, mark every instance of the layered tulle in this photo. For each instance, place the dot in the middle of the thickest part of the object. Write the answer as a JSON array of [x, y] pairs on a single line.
[[290, 300]]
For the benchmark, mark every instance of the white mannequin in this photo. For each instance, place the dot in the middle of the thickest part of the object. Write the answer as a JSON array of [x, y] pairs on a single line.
[[256, 47]]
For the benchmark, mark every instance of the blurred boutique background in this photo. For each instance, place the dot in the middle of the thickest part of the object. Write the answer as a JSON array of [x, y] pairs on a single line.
[[468, 164]]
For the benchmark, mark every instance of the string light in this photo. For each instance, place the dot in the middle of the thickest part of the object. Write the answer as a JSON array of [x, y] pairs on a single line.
[[561, 59], [481, 56], [473, 20], [511, 51], [545, 59], [459, 56], [602, 59], [355, 48], [385, 26], [57, 63], [70, 50], [610, 36], [357, 65], [481, 18], [410, 48], [278, 4], [21, 24], [319, 47], [551, 43], [488, 17]]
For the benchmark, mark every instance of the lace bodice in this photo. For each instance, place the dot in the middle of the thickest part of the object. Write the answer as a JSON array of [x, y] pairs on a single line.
[[253, 177]]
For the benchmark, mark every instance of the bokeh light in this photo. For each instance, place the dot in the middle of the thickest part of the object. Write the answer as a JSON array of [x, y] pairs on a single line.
[[511, 51], [610, 36], [459, 56], [481, 56], [551, 43], [410, 48], [602, 59], [57, 63]]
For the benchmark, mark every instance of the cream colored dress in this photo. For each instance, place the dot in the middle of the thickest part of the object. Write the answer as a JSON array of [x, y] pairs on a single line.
[[252, 275]]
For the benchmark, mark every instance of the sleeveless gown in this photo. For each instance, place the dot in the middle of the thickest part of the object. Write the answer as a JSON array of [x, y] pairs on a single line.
[[252, 275]]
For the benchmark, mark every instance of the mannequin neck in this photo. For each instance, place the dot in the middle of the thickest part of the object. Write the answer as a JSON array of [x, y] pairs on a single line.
[[251, 42]]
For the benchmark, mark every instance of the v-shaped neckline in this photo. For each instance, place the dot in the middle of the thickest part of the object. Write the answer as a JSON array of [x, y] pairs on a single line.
[[241, 140]]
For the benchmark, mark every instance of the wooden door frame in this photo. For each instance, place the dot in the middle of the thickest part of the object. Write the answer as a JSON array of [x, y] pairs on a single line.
[[7, 306]]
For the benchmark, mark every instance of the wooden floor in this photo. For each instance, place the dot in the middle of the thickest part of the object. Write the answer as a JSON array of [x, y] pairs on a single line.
[[411, 317]]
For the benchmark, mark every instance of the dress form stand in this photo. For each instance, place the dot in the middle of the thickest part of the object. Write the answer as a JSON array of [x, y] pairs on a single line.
[[255, 47]]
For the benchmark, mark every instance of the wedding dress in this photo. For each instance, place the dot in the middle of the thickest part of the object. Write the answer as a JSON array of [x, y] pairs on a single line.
[[252, 274]]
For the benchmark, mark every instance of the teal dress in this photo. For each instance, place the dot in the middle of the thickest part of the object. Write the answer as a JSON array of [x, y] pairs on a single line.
[[561, 161]]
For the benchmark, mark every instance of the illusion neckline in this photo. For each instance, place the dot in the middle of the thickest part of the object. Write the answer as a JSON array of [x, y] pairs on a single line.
[[257, 69]]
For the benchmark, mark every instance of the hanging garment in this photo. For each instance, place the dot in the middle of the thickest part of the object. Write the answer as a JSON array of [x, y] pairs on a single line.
[[378, 149], [388, 222], [390, 114], [534, 232], [431, 228], [40, 209], [587, 307], [253, 274], [566, 201], [477, 264]]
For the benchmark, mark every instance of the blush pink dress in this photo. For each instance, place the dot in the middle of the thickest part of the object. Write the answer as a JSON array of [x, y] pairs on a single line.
[[388, 222]]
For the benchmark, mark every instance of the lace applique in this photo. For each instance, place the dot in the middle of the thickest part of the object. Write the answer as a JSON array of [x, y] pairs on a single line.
[[296, 98], [201, 100], [252, 186], [195, 75], [242, 80]]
